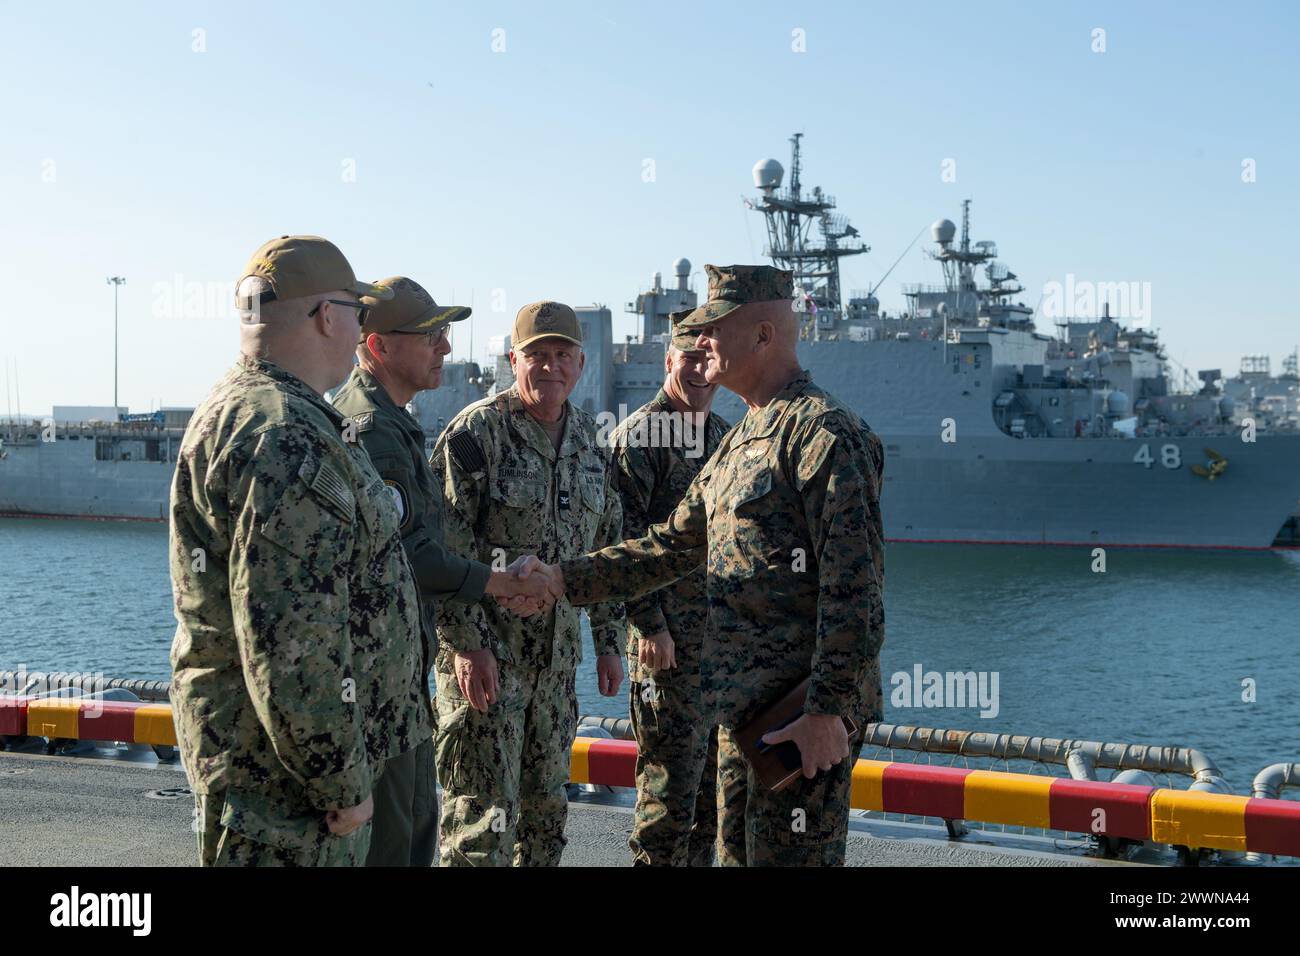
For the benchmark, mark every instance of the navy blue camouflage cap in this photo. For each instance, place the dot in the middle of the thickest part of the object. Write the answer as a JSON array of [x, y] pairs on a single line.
[[730, 287]]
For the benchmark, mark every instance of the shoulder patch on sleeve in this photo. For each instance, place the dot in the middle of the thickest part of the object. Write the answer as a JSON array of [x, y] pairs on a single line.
[[400, 499], [332, 486], [464, 448], [813, 455]]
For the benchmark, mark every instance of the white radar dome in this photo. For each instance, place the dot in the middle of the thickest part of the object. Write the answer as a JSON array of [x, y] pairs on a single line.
[[767, 174], [943, 231]]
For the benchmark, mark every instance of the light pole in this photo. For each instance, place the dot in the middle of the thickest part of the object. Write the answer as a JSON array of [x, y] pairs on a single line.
[[115, 281]]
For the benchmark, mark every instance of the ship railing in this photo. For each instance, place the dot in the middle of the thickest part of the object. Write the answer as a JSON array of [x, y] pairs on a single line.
[[806, 197], [1136, 765], [1205, 822], [129, 427], [1148, 433], [34, 430], [1079, 759]]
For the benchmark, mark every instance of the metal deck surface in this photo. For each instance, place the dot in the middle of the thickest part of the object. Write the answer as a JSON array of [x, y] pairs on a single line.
[[97, 811]]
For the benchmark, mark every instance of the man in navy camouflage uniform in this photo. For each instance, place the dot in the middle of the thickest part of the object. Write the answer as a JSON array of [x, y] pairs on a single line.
[[295, 665], [522, 475]]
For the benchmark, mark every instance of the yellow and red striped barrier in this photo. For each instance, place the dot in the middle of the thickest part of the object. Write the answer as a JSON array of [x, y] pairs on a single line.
[[1226, 821], [604, 761], [153, 725], [132, 722], [1017, 799], [1178, 817], [13, 715]]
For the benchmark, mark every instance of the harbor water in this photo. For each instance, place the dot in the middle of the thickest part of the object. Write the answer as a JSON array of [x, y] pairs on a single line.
[[1164, 647]]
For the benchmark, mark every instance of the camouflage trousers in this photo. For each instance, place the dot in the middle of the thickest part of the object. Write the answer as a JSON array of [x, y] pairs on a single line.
[[504, 772], [732, 800], [243, 829], [690, 779], [807, 823], [405, 824]]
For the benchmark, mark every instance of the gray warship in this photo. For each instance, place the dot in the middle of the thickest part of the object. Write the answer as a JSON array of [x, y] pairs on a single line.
[[91, 463], [995, 432]]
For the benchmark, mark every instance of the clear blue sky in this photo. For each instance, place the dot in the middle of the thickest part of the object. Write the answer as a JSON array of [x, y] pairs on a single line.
[[521, 170]]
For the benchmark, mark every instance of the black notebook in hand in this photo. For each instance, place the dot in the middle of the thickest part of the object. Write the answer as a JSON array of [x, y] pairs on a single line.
[[777, 765]]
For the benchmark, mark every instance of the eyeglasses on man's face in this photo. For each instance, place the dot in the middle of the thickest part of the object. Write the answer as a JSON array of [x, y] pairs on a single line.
[[362, 310], [432, 337]]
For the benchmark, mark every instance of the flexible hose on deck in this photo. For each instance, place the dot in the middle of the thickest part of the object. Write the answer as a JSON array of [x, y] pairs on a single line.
[[618, 727], [37, 682], [1089, 754]]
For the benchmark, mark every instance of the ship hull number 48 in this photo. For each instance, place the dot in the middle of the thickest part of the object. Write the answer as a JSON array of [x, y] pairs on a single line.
[[1170, 456]]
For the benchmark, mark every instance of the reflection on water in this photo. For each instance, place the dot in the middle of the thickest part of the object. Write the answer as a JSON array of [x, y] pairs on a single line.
[[1159, 649]]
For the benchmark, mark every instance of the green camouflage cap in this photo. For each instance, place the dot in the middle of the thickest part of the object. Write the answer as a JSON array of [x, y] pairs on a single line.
[[730, 287], [544, 320], [683, 340], [408, 309], [299, 266]]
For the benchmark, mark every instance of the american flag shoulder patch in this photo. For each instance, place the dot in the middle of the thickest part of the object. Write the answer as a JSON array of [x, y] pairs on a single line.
[[464, 448], [333, 487]]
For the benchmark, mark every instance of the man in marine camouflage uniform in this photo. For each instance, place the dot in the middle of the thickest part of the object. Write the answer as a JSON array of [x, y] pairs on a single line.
[[295, 666], [658, 450], [522, 475], [786, 518], [403, 343]]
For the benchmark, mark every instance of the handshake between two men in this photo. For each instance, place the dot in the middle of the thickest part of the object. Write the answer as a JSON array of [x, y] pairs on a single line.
[[530, 586], [536, 585], [527, 587]]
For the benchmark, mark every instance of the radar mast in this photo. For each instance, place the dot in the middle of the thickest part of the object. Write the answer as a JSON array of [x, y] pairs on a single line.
[[815, 261]]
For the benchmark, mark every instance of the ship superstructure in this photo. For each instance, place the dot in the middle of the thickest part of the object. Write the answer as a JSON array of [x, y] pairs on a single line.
[[996, 432], [1272, 401], [793, 219]]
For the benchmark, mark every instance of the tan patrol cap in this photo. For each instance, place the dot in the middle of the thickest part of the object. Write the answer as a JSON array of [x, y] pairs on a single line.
[[730, 287], [299, 266], [683, 340], [544, 320], [408, 309]]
